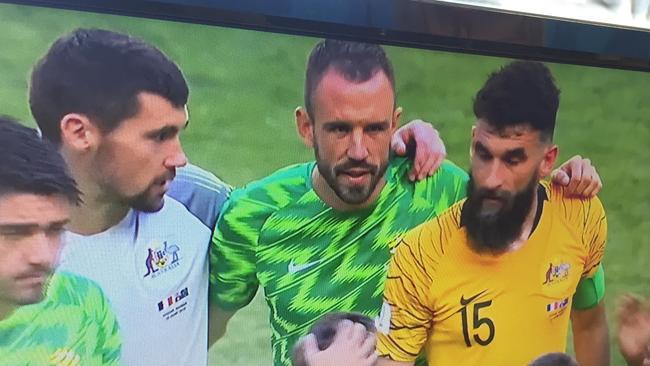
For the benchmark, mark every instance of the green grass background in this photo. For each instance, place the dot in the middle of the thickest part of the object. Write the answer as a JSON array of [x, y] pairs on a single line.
[[245, 86]]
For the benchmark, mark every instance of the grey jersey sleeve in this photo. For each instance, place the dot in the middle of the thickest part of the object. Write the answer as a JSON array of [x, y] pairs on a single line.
[[201, 192]]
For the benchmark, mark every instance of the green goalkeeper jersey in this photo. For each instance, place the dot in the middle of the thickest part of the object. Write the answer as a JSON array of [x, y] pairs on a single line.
[[311, 259], [73, 325]]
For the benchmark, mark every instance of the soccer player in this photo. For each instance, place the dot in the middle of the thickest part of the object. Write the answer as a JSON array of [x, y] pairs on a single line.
[[493, 280], [338, 339], [634, 330], [115, 105], [315, 235], [45, 319]]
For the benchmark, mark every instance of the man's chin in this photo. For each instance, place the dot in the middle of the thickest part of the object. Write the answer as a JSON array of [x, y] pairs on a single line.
[[31, 296], [354, 195], [148, 205]]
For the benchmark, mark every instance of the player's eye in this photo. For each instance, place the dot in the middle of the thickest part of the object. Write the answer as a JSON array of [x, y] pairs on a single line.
[[377, 127], [338, 128], [164, 134], [483, 155], [512, 161]]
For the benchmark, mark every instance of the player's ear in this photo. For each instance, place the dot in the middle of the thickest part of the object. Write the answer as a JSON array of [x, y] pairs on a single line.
[[471, 144], [305, 126], [78, 133], [550, 156], [397, 115]]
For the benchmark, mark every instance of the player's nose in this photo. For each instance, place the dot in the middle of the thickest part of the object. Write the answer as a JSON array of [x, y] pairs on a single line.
[[176, 159], [357, 149], [43, 251], [494, 177]]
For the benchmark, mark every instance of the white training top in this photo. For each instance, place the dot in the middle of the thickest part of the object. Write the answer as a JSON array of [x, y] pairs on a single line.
[[153, 268]]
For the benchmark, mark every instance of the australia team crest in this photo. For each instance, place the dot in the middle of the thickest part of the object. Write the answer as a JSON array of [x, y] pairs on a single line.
[[161, 259], [556, 272]]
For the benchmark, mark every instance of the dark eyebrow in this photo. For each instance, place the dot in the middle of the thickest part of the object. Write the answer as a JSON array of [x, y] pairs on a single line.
[[333, 124], [383, 124], [518, 153], [481, 148], [30, 226]]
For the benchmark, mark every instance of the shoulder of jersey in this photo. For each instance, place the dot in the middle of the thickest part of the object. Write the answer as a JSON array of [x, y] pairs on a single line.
[[72, 289], [449, 219], [288, 181], [571, 208], [443, 226], [448, 168], [400, 166], [201, 178]]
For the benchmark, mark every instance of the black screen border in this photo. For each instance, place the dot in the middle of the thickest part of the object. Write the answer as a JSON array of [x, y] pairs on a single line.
[[375, 21]]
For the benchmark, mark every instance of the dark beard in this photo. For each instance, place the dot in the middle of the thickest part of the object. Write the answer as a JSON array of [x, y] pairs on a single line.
[[349, 195], [494, 232], [145, 203]]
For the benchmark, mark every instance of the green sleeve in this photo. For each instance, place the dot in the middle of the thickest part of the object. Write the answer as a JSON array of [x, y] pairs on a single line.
[[590, 290], [233, 277]]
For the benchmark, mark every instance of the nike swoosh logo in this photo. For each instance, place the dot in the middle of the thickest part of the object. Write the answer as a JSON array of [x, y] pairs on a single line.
[[464, 301], [294, 268]]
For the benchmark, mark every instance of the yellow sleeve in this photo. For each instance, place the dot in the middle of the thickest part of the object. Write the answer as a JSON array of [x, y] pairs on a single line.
[[406, 316], [594, 235]]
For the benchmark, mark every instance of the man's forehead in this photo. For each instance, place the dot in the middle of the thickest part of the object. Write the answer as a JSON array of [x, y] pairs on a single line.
[[334, 79], [155, 111], [33, 208], [335, 94], [521, 133]]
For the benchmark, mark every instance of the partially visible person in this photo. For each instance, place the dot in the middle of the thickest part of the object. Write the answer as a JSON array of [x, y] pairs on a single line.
[[115, 107], [554, 359], [338, 339], [516, 257], [45, 319], [633, 333]]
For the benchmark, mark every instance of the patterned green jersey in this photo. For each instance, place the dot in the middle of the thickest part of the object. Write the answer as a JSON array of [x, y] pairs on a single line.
[[72, 326], [309, 258]]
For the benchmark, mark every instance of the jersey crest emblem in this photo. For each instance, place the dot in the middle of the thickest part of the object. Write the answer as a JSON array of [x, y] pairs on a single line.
[[161, 258], [556, 273]]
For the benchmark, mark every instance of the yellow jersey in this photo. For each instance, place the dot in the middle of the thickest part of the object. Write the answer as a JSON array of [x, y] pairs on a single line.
[[466, 308]]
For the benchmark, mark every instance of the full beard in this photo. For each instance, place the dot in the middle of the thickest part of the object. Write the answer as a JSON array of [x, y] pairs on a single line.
[[493, 232], [352, 195]]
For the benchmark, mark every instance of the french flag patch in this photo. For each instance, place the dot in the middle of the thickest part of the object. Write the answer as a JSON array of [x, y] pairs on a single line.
[[557, 305]]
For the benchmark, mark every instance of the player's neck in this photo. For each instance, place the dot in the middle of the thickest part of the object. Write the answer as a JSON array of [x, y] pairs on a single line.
[[527, 227], [6, 309], [98, 211], [327, 194]]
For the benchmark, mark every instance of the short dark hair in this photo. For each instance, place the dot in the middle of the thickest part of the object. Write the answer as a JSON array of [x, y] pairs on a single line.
[[99, 73], [325, 330], [522, 92], [29, 164], [554, 359], [355, 61]]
